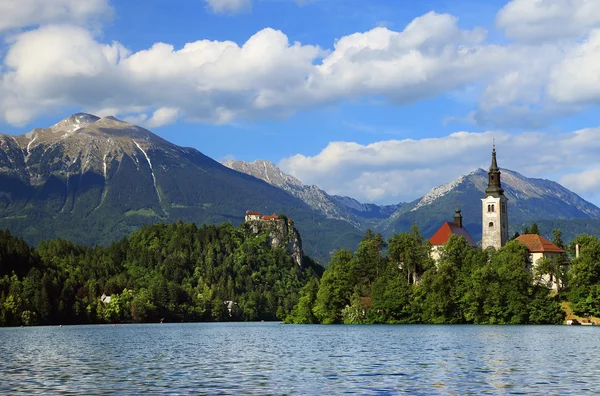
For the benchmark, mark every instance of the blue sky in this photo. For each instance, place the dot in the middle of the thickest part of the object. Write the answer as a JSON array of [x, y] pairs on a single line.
[[380, 100]]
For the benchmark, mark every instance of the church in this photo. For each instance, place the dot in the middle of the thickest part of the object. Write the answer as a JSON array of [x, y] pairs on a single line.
[[494, 226], [494, 213]]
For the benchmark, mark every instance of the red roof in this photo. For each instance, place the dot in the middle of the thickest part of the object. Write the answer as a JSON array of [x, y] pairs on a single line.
[[442, 235], [251, 212], [538, 244], [271, 217]]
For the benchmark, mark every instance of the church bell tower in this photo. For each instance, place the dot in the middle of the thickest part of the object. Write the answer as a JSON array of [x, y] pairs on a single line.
[[494, 211]]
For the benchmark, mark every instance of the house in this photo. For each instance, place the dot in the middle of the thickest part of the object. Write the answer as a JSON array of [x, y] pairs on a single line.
[[541, 248], [105, 299], [251, 215], [442, 235], [272, 217]]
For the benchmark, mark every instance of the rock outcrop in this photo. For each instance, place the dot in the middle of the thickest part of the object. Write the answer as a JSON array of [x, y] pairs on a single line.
[[282, 234]]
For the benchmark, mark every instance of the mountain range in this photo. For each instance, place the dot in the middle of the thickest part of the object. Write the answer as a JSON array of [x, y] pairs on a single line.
[[94, 180], [530, 200]]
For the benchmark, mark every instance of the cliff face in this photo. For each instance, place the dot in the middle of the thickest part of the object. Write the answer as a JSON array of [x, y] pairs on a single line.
[[281, 235]]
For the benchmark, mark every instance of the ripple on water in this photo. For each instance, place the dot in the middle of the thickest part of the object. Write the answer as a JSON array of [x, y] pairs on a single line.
[[259, 358]]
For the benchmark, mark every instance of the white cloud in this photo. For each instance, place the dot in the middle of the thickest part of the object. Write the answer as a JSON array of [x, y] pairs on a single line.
[[587, 181], [207, 81], [229, 6], [519, 84], [576, 79], [386, 171], [57, 65], [539, 20], [163, 116], [16, 14]]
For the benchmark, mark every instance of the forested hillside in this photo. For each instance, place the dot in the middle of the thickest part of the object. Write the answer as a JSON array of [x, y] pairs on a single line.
[[175, 272], [404, 285]]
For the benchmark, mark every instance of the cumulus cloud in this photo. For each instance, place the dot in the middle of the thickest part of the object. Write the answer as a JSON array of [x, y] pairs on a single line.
[[57, 65], [229, 6], [520, 84], [163, 116], [576, 79], [540, 20], [220, 81], [16, 14], [386, 171], [587, 181], [209, 81]]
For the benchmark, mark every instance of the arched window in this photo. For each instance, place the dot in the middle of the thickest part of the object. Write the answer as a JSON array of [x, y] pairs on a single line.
[[489, 208], [493, 209], [491, 224]]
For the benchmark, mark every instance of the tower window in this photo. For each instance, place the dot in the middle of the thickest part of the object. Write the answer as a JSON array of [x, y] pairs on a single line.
[[493, 208], [491, 224]]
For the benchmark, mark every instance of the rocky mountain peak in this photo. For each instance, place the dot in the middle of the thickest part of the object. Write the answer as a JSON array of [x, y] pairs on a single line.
[[267, 171], [74, 122]]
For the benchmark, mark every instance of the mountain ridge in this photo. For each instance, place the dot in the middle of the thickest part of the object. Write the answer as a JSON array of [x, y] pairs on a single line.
[[94, 180], [530, 199]]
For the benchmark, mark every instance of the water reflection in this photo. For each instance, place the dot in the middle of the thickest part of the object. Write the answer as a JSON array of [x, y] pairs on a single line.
[[259, 358]]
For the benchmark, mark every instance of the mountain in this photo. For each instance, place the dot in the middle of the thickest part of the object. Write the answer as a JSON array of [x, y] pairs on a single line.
[[331, 206], [94, 180], [530, 200]]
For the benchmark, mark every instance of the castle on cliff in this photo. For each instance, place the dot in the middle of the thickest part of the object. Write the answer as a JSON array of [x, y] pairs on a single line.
[[256, 216]]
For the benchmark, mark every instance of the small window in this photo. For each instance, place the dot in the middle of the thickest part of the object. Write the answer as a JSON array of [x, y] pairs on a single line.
[[491, 224], [493, 210]]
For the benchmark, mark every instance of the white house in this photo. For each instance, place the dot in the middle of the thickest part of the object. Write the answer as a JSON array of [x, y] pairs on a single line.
[[540, 248]]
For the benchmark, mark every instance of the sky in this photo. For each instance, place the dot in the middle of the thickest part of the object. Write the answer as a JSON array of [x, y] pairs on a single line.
[[380, 100]]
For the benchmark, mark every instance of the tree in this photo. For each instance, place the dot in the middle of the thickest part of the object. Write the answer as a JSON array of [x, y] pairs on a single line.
[[303, 311], [557, 238], [336, 287], [534, 229], [370, 259], [411, 253]]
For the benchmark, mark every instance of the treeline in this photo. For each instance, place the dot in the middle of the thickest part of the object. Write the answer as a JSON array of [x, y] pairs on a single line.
[[180, 272], [404, 285], [175, 272]]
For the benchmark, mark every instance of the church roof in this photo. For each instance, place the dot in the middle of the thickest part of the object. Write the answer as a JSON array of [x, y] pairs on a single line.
[[538, 244], [442, 235]]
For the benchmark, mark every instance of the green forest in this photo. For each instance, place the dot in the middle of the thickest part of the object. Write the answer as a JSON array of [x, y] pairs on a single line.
[[181, 273], [396, 281], [174, 273]]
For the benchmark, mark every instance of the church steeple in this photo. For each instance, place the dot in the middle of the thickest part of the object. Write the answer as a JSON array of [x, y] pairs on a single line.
[[494, 187], [494, 209]]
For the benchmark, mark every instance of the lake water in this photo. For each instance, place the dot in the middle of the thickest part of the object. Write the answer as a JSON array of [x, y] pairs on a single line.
[[260, 358]]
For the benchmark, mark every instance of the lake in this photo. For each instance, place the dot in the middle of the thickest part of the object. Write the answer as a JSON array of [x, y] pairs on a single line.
[[259, 358]]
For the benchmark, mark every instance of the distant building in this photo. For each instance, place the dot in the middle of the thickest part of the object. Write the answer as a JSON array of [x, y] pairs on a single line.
[[256, 216], [494, 210], [541, 248], [105, 299], [251, 215], [442, 235]]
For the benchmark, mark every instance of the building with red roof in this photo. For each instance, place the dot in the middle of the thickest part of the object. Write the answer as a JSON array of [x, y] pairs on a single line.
[[252, 215], [443, 234], [541, 248], [272, 217]]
